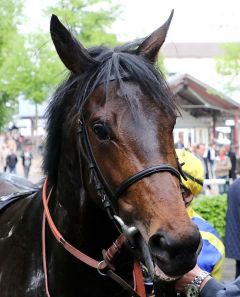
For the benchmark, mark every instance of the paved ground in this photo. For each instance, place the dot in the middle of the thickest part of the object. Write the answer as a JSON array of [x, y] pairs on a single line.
[[36, 175]]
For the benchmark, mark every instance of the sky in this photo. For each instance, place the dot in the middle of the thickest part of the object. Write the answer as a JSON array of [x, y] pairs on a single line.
[[194, 20]]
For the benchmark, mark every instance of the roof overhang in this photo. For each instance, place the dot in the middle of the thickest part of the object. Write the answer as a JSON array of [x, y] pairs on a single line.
[[199, 99]]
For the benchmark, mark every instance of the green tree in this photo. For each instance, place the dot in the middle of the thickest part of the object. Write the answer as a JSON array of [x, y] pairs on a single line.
[[228, 65], [42, 67], [29, 64], [11, 48], [90, 20], [161, 65]]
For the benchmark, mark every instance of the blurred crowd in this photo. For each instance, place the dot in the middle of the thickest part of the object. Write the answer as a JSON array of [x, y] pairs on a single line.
[[13, 147], [220, 162]]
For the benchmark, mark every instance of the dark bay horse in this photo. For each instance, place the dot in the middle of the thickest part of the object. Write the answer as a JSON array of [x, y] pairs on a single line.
[[10, 183], [109, 154]]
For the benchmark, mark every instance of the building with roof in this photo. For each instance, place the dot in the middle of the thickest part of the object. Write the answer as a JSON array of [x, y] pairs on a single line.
[[25, 119], [197, 94], [203, 109]]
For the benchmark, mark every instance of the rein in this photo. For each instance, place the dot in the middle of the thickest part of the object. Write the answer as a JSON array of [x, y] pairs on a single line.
[[108, 256]]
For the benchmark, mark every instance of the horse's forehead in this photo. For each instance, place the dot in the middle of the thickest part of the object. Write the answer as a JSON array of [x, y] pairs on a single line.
[[127, 98]]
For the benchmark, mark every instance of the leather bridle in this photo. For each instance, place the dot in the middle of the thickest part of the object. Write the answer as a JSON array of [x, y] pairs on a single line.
[[107, 195], [105, 267], [108, 198]]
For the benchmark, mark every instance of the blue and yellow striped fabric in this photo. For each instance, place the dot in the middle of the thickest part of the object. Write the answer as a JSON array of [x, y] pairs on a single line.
[[213, 252]]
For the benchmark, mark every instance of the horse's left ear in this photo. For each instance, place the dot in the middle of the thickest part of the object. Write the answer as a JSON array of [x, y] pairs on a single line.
[[72, 53], [152, 44]]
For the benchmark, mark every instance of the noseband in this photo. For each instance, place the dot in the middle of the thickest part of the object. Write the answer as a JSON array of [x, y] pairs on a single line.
[[107, 195], [144, 173]]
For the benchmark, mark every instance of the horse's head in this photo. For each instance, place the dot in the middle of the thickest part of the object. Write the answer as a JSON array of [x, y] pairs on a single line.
[[125, 116]]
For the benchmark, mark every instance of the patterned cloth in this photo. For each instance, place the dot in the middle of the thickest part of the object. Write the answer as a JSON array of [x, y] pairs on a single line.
[[213, 252], [193, 167], [232, 236]]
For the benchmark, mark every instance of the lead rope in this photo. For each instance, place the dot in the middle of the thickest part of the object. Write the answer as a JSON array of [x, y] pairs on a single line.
[[44, 248], [99, 265]]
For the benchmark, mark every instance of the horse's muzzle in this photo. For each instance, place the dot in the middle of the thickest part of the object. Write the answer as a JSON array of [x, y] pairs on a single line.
[[175, 257]]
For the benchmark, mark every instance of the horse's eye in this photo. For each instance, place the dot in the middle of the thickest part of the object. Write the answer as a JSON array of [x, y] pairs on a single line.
[[101, 131]]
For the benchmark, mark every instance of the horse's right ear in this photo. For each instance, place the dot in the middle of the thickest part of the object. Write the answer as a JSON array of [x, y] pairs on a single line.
[[152, 44], [74, 56]]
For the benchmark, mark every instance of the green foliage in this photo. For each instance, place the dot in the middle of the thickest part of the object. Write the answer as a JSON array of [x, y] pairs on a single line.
[[11, 51], [42, 68], [7, 108], [29, 64], [161, 65], [228, 65], [89, 20], [213, 209]]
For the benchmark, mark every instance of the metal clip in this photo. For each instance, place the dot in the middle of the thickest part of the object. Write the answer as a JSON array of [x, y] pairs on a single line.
[[99, 268], [128, 232]]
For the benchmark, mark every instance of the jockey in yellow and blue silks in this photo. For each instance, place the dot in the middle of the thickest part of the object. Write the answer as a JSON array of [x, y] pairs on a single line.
[[213, 252]]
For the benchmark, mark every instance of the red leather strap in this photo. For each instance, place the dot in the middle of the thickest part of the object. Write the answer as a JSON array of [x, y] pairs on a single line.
[[71, 249], [123, 284], [138, 279], [44, 251], [99, 265], [114, 249]]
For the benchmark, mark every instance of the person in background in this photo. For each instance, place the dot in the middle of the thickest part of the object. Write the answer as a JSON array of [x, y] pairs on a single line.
[[200, 152], [211, 155], [11, 161], [179, 144], [232, 232], [212, 254], [231, 154], [222, 167], [4, 152], [26, 160], [198, 282]]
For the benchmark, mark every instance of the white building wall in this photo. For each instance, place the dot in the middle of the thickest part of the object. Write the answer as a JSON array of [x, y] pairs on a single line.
[[197, 135]]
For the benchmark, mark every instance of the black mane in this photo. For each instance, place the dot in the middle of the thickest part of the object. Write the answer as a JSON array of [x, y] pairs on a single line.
[[121, 63]]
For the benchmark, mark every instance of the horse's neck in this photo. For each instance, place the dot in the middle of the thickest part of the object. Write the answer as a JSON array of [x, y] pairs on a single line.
[[85, 226], [80, 220], [74, 209]]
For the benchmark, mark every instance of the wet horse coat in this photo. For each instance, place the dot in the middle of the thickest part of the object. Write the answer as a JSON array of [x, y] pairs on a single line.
[[128, 114]]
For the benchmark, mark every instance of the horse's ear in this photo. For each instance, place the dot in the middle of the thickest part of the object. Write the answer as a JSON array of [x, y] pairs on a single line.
[[152, 44], [74, 56]]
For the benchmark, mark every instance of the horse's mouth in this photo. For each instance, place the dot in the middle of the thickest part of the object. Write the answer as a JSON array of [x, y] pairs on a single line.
[[152, 262], [160, 275], [154, 265], [153, 269]]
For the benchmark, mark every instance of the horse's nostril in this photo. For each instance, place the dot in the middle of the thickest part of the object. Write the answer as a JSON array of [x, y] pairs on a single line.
[[174, 254], [157, 242]]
